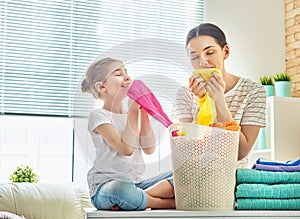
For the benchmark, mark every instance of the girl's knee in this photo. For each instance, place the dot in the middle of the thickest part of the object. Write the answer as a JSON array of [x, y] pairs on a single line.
[[124, 194], [119, 187]]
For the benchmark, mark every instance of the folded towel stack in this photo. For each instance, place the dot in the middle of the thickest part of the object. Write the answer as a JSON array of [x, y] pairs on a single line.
[[269, 186]]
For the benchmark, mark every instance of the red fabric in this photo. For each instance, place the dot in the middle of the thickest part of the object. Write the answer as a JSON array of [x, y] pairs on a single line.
[[142, 95]]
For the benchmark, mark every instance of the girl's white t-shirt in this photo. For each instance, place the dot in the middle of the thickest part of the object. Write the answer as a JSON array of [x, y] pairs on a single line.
[[109, 164]]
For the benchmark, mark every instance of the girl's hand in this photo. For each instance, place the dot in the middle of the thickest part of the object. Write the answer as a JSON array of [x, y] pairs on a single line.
[[132, 105], [197, 85]]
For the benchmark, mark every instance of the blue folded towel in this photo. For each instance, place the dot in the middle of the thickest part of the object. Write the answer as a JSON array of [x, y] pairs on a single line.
[[276, 168], [268, 204], [268, 191], [288, 163], [266, 177]]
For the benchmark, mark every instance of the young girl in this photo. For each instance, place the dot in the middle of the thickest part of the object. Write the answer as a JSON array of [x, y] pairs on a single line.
[[115, 178]]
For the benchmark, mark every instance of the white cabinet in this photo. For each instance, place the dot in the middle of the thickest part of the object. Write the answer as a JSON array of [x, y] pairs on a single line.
[[282, 130], [283, 127]]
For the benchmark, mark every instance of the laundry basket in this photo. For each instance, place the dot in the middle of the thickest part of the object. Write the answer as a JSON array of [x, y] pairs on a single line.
[[204, 162]]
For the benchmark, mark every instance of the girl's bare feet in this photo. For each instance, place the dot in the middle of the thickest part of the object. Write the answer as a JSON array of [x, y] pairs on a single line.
[[116, 208]]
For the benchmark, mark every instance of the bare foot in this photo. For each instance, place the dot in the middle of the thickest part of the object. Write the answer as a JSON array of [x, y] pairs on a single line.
[[116, 208]]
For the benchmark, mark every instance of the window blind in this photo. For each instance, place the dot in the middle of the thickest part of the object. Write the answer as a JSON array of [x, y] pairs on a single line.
[[46, 46]]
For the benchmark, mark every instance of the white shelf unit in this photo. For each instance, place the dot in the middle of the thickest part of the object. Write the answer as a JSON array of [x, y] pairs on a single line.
[[282, 130], [283, 127], [91, 213]]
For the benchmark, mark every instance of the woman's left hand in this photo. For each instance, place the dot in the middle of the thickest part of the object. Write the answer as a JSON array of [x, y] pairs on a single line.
[[216, 88]]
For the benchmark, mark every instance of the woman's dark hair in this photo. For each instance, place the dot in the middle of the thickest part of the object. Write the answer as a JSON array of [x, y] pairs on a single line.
[[207, 29]]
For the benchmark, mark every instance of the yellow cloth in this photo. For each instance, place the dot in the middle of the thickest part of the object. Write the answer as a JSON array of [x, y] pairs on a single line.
[[207, 109]]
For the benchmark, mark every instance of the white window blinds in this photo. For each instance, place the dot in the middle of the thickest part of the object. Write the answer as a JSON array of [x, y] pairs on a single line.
[[46, 46]]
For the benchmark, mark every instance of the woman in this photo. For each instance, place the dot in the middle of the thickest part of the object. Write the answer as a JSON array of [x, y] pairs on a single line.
[[235, 98]]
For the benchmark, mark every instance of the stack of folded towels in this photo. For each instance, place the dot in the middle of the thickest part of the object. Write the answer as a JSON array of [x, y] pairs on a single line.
[[269, 186]]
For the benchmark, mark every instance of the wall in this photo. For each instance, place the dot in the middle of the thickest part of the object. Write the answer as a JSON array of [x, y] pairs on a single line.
[[292, 23], [255, 31]]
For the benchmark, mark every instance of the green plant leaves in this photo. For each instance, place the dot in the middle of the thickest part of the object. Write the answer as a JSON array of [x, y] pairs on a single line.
[[266, 80], [282, 76], [24, 174], [269, 80]]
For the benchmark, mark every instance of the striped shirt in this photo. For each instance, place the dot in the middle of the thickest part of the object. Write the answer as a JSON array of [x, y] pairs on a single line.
[[246, 102]]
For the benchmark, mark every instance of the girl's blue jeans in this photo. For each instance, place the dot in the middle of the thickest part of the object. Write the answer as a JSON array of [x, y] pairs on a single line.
[[127, 195]]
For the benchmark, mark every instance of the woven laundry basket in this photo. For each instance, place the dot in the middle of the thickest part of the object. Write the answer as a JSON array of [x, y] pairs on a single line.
[[204, 163]]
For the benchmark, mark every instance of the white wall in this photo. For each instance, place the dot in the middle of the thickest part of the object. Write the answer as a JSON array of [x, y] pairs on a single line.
[[255, 31]]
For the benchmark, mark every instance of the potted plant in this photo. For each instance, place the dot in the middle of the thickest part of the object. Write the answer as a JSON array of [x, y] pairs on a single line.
[[24, 174], [267, 82], [283, 84]]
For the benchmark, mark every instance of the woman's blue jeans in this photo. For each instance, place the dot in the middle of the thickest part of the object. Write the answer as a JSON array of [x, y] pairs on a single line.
[[127, 195]]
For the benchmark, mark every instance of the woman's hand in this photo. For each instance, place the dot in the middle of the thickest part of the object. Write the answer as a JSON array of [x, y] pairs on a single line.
[[197, 85], [216, 88]]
